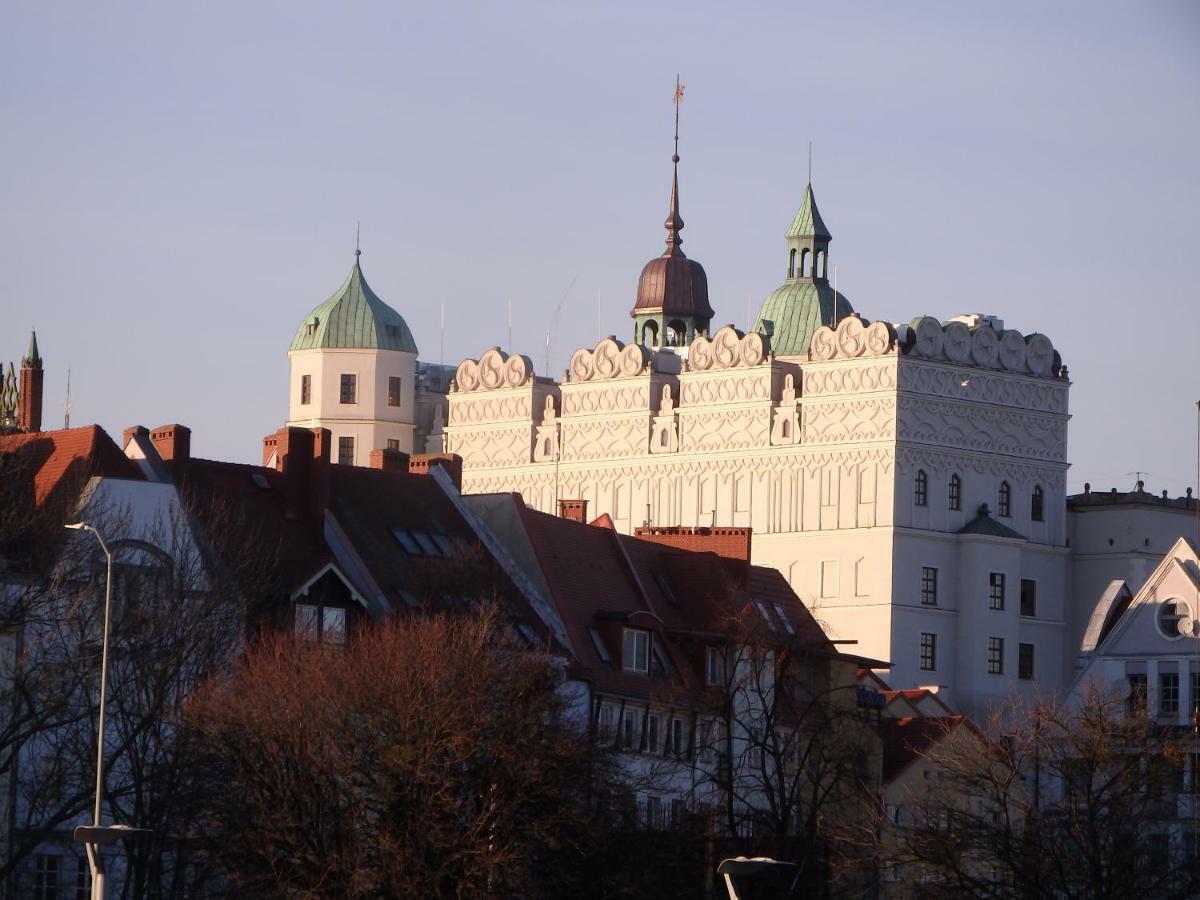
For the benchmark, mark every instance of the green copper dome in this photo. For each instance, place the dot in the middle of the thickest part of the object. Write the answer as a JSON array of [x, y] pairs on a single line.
[[354, 318], [805, 301], [797, 309]]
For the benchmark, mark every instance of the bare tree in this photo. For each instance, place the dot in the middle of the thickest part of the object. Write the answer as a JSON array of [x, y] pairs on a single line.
[[430, 757], [1079, 800]]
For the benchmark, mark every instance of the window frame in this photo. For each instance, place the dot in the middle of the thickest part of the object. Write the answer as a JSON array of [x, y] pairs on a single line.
[[954, 493], [348, 388], [1026, 655], [346, 443], [921, 489], [995, 656], [395, 385], [631, 651], [928, 651], [1029, 600], [1168, 697], [305, 390], [929, 586], [1037, 504], [714, 667], [1004, 500], [997, 588]]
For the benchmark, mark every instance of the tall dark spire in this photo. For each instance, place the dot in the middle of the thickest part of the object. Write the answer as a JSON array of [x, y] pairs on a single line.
[[32, 359], [674, 223]]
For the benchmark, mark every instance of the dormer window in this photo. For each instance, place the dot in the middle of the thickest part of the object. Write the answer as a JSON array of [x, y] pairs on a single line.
[[320, 624], [636, 651]]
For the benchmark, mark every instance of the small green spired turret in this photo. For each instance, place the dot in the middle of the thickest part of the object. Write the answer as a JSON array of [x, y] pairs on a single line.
[[804, 302]]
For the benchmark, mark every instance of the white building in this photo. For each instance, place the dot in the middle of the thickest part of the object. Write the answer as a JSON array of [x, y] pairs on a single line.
[[863, 455]]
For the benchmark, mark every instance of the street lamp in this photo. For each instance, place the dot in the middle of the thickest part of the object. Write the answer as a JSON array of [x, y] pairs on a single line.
[[94, 836]]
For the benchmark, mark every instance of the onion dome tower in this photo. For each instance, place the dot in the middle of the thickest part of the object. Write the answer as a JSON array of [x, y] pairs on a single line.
[[804, 302], [354, 366], [672, 297]]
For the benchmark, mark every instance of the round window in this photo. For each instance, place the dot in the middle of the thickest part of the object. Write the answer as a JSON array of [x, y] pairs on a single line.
[[1174, 619]]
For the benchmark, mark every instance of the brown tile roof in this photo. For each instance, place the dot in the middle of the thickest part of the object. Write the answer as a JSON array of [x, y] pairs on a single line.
[[50, 459], [908, 739]]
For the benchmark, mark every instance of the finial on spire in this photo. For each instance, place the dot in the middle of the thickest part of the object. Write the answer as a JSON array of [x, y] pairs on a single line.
[[357, 237], [810, 162], [674, 223]]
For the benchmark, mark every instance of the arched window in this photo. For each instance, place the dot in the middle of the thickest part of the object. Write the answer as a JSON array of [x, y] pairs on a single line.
[[1005, 499], [1037, 504], [792, 264], [955, 492], [921, 489], [804, 263], [676, 333], [650, 334], [664, 438], [786, 429], [819, 266], [546, 447]]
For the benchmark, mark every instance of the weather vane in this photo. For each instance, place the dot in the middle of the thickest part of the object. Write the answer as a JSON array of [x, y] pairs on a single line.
[[679, 89]]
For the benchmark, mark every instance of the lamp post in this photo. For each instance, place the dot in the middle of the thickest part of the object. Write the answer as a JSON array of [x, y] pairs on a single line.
[[89, 838]]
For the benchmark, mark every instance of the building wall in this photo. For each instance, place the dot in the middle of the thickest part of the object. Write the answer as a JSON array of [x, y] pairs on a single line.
[[817, 455], [370, 420]]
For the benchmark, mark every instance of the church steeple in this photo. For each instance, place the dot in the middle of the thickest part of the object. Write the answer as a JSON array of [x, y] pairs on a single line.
[[672, 299], [808, 241]]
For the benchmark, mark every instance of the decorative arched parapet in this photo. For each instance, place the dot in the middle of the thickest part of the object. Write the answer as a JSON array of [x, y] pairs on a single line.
[[728, 349], [979, 342], [494, 370], [852, 339], [609, 359]]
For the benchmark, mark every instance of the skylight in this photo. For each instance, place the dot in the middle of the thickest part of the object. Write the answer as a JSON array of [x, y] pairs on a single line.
[[787, 623], [598, 643], [407, 541], [762, 609], [428, 547]]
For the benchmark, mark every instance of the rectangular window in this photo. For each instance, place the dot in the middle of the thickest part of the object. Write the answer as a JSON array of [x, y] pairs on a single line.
[[1194, 700], [928, 652], [636, 655], [629, 729], [1025, 661], [345, 451], [677, 811], [928, 586], [675, 737], [995, 656], [1137, 692], [653, 726], [1028, 597], [393, 443], [349, 389], [654, 813], [305, 390], [1168, 694], [83, 879], [955, 492], [333, 625], [306, 622], [393, 390], [996, 590], [755, 740], [45, 877], [605, 724]]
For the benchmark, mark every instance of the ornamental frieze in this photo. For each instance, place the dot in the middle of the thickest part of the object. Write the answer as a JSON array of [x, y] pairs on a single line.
[[728, 349], [731, 387], [909, 459], [986, 429], [974, 386], [616, 397], [820, 381], [494, 370], [725, 430], [849, 420]]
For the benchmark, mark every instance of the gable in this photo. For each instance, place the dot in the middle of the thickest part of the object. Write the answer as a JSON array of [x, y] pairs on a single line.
[[1140, 630]]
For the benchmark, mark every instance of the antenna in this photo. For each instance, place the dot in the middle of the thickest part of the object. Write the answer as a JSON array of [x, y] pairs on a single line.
[[554, 318], [442, 336], [835, 297], [357, 235], [67, 405], [679, 89], [510, 343]]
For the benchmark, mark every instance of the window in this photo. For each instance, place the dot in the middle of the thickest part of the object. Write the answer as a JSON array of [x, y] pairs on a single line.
[[83, 879], [955, 492], [629, 729], [995, 656], [305, 390], [1037, 504], [605, 723], [921, 489], [675, 737], [393, 390], [393, 443], [349, 389], [928, 652], [636, 655], [755, 739], [787, 623], [1025, 662], [1195, 697], [598, 643], [928, 586], [345, 451], [1005, 499], [714, 671], [1174, 619], [996, 590], [654, 813], [677, 810], [1137, 692], [1168, 694], [320, 624], [653, 729], [45, 877], [1028, 597]]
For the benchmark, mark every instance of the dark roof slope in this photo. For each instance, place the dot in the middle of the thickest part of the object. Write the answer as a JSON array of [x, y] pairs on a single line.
[[983, 523], [909, 739]]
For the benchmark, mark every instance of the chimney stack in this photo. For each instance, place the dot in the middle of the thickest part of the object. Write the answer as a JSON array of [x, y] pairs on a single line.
[[450, 463], [389, 460], [29, 400], [302, 457], [574, 510], [174, 445]]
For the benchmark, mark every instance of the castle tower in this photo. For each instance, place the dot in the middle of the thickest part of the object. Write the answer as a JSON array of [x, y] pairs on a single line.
[[804, 302], [354, 366], [29, 403]]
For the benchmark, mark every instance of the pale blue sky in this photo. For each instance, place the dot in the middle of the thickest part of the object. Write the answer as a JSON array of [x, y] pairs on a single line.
[[179, 185]]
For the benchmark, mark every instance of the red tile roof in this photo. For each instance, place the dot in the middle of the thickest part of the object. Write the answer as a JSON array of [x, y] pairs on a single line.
[[909, 739], [51, 459]]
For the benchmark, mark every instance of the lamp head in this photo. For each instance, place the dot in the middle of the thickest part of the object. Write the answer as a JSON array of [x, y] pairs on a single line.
[[78, 526]]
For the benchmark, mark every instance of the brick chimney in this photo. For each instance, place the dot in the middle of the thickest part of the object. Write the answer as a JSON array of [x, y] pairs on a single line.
[[29, 394], [450, 463], [302, 457], [731, 543], [132, 432], [174, 445], [389, 460], [574, 510]]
